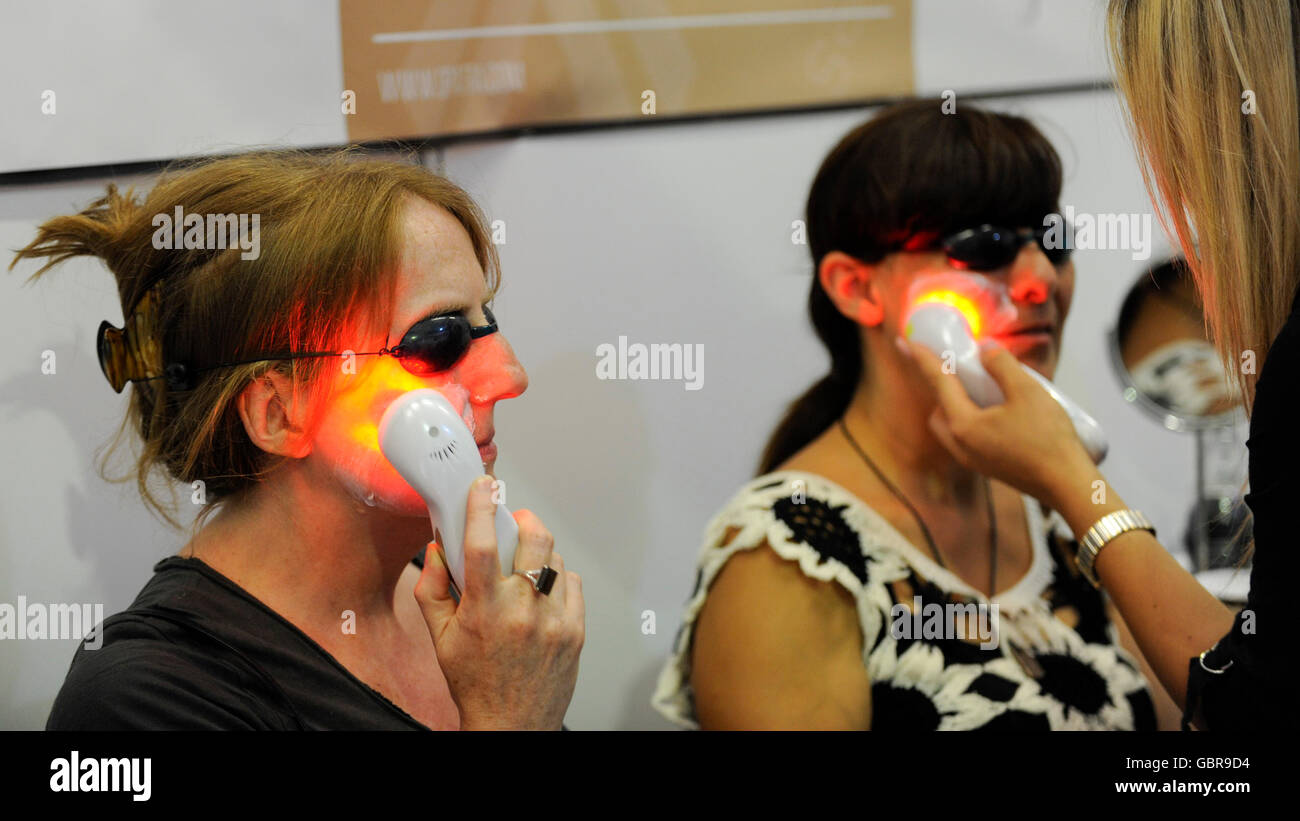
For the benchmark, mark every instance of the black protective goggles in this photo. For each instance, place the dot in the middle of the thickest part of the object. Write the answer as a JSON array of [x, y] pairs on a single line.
[[434, 344], [990, 247]]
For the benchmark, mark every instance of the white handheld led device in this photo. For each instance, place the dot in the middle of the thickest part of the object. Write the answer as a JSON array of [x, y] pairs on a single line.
[[945, 331], [427, 441]]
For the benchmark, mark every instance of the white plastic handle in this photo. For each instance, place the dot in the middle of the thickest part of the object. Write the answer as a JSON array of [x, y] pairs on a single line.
[[428, 443]]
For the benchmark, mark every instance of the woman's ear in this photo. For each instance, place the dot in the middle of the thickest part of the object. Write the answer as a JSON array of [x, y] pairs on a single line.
[[850, 284], [267, 410]]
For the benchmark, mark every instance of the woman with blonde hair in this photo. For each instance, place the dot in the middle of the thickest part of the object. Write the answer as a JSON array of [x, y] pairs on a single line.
[[1212, 97], [261, 368]]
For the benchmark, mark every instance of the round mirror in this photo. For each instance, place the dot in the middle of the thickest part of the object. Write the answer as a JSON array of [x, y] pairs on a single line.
[[1167, 365]]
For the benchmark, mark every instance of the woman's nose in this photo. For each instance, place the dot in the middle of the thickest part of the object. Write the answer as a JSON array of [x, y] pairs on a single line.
[[1033, 276], [491, 372]]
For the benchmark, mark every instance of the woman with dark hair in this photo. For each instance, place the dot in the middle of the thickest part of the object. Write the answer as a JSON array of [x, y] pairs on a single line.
[[867, 580]]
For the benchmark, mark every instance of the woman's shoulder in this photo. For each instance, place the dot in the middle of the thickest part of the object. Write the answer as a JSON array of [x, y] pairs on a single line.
[[807, 517], [144, 671], [814, 509], [814, 525], [177, 658]]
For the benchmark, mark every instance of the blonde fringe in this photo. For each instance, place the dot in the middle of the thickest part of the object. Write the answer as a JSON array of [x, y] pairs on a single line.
[[1225, 181]]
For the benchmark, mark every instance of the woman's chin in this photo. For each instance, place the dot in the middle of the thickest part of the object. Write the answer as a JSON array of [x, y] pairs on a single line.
[[1038, 351]]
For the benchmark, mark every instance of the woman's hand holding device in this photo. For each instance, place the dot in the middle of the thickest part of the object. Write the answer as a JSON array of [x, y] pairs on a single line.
[[508, 646], [998, 416], [1028, 440], [509, 652]]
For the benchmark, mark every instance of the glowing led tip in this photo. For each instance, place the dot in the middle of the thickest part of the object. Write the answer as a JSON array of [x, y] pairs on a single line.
[[963, 304]]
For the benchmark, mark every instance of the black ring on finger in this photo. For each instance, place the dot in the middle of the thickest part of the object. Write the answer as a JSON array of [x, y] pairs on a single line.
[[543, 579]]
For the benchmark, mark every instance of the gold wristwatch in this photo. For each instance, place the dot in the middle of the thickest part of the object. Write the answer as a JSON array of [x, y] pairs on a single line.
[[1101, 533]]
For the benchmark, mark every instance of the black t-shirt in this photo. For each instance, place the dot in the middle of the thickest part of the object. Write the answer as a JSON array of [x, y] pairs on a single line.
[[1258, 657], [196, 652]]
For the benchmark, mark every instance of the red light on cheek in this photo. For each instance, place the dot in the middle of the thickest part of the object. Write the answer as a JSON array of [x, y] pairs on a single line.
[[964, 305], [399, 379], [365, 434], [364, 404]]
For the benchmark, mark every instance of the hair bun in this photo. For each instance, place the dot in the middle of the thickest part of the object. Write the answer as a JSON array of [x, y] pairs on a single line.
[[133, 352]]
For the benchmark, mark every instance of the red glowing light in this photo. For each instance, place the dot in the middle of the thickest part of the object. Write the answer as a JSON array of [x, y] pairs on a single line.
[[383, 383], [964, 305], [366, 434]]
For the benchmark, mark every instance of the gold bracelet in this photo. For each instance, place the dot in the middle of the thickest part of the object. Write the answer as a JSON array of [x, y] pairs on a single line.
[[1102, 532]]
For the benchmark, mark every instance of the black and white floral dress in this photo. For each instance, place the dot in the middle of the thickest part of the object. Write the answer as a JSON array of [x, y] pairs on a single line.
[[1056, 663]]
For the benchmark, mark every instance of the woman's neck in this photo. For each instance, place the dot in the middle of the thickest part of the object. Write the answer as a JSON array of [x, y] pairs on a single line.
[[311, 558], [890, 421]]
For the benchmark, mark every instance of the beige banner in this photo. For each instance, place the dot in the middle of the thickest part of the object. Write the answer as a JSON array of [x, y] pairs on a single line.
[[425, 68]]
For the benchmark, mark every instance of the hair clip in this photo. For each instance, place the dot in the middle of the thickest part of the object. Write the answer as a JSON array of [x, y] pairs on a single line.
[[132, 353]]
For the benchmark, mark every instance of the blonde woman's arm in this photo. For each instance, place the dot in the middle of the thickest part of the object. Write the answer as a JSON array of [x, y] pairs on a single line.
[[1172, 617]]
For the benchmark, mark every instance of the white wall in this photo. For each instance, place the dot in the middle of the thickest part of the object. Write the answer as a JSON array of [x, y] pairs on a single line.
[[674, 233], [152, 80]]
